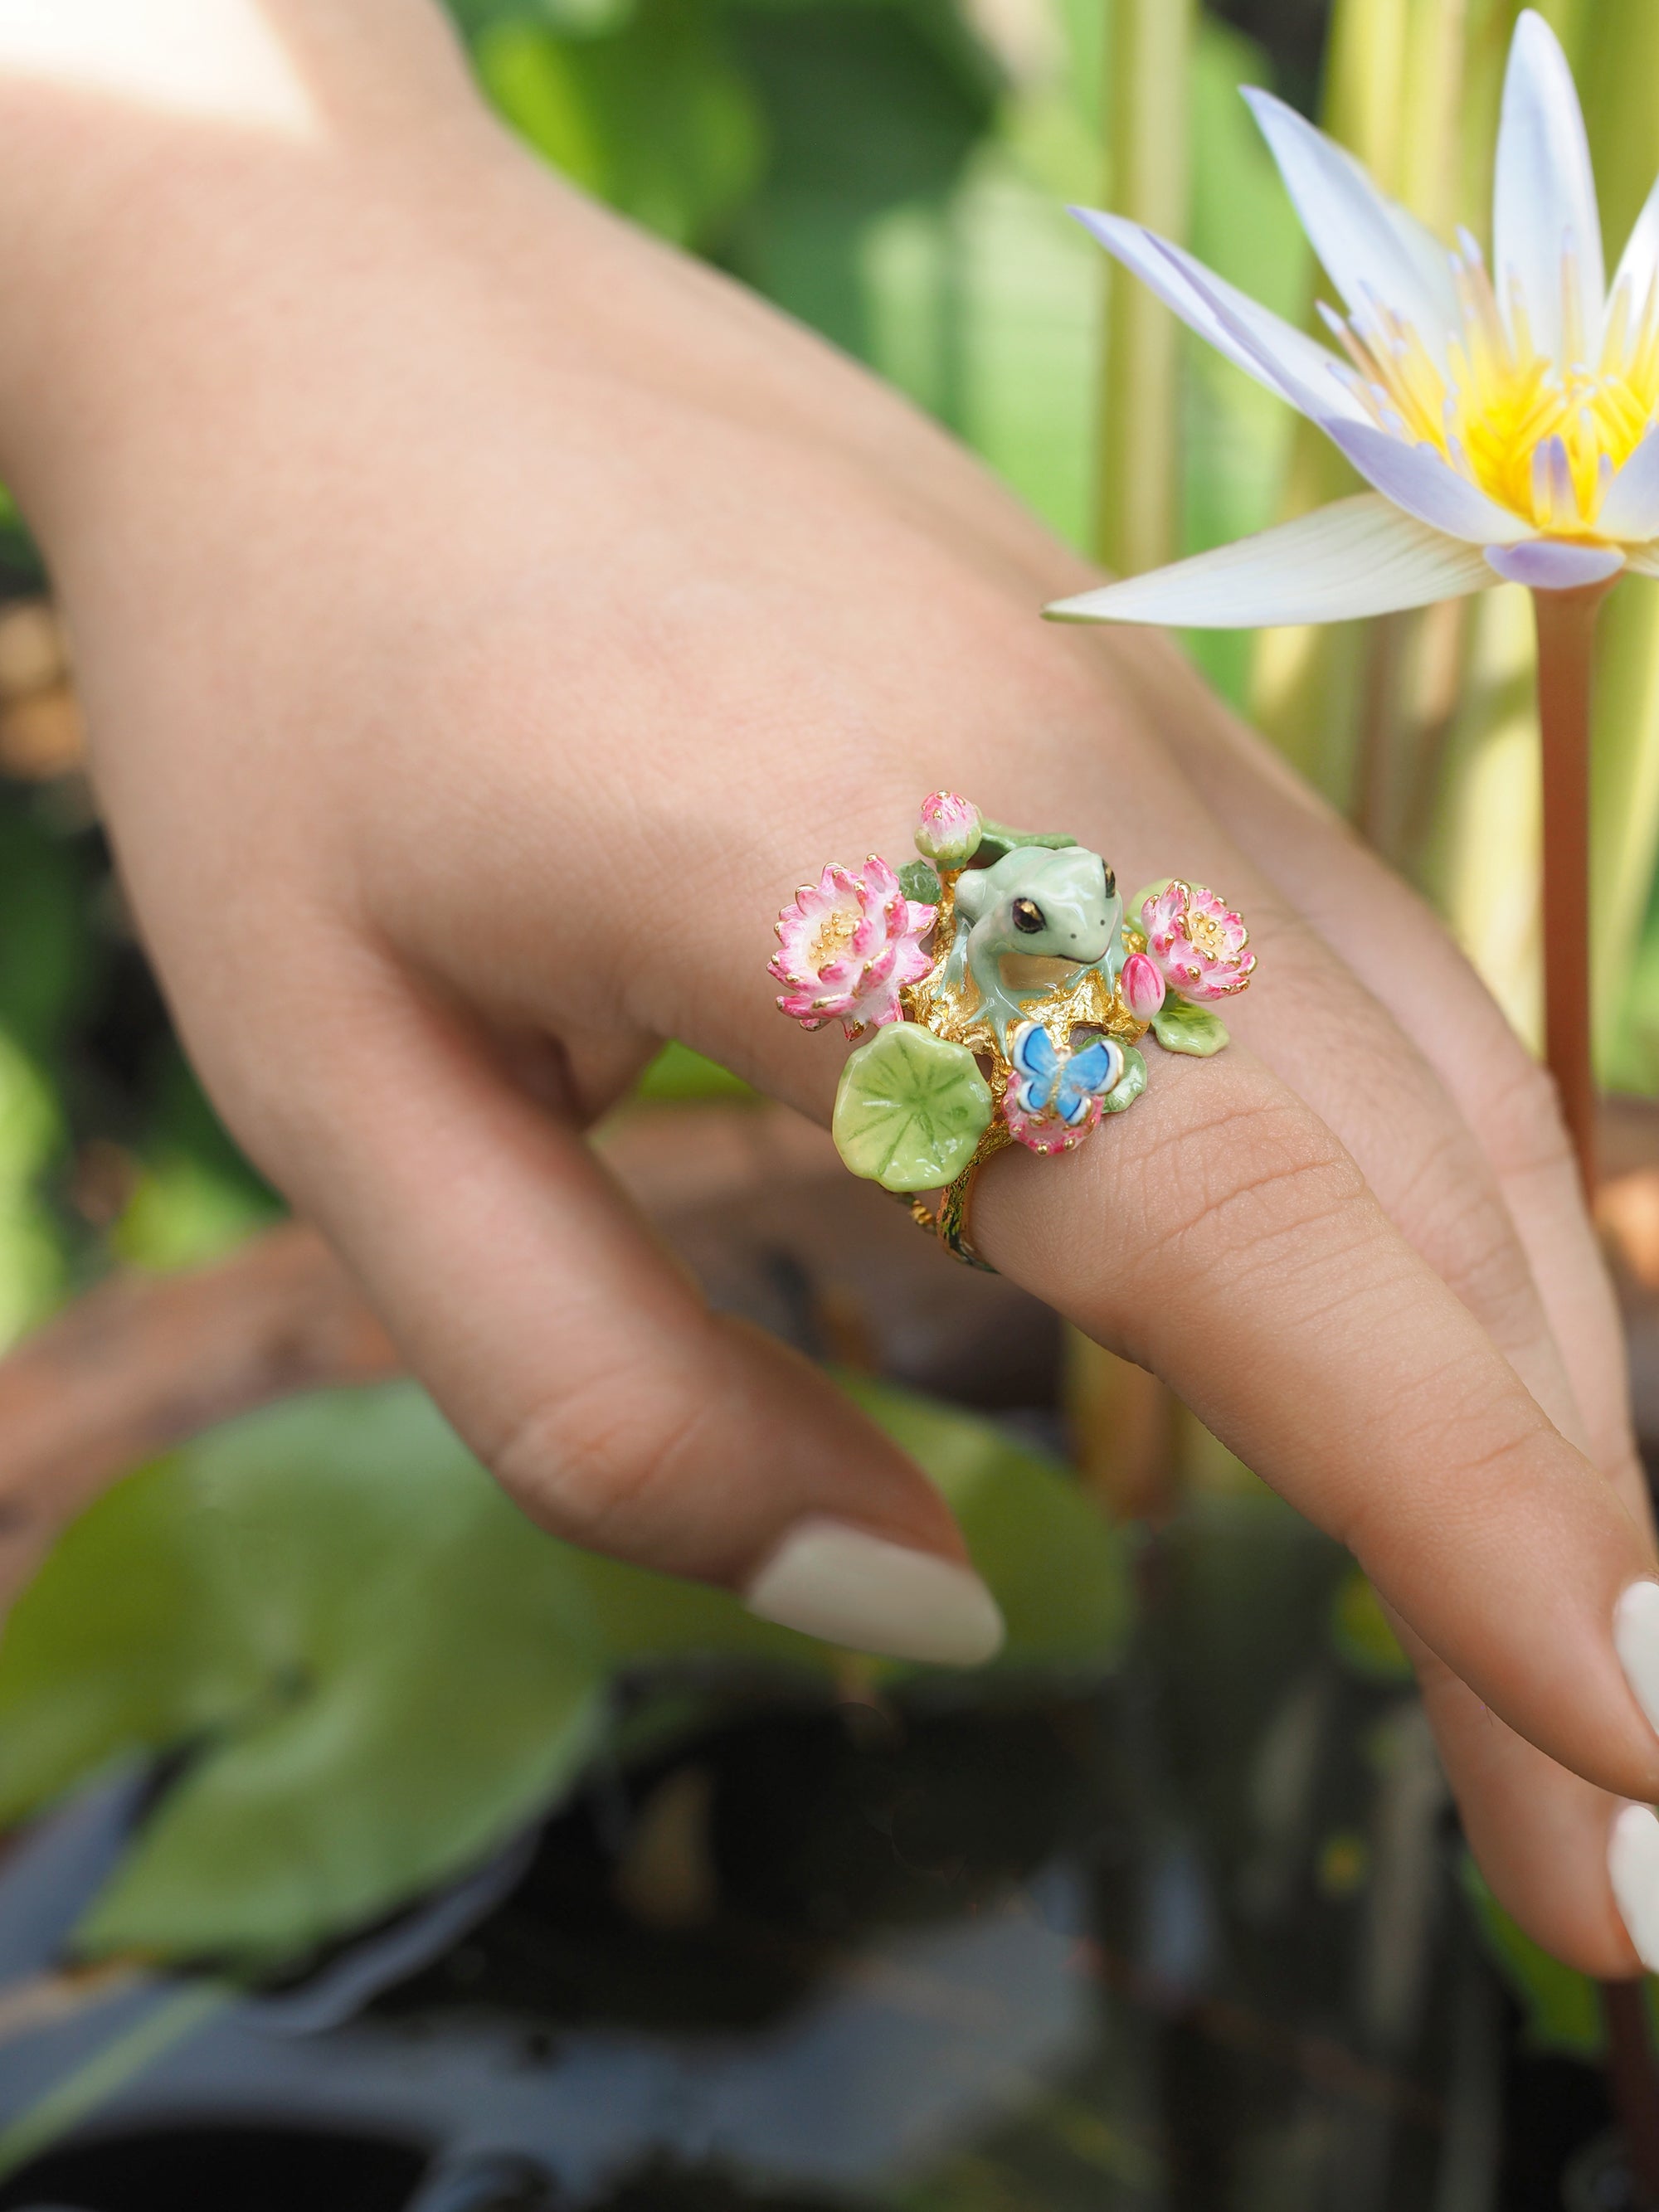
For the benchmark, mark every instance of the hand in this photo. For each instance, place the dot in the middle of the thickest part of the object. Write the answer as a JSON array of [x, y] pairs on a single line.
[[486, 619]]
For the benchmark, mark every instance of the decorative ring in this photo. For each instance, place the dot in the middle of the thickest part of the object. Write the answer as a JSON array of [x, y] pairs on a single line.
[[1009, 994]]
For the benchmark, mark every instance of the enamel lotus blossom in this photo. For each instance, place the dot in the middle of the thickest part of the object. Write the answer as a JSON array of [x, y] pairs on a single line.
[[1196, 943], [1504, 417], [847, 946]]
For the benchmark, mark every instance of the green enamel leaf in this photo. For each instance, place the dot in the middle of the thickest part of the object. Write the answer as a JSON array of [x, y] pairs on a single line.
[[1179, 1026], [1130, 1084], [919, 882], [997, 840], [911, 1109]]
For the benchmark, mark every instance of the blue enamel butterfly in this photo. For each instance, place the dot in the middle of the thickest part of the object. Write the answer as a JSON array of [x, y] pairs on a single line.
[[1043, 1076]]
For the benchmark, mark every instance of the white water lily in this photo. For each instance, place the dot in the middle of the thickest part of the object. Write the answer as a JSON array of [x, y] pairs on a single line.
[[1507, 421]]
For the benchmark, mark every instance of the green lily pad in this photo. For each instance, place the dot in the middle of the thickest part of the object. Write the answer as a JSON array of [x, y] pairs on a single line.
[[996, 841], [376, 1669], [1130, 1084], [911, 1109], [1179, 1026]]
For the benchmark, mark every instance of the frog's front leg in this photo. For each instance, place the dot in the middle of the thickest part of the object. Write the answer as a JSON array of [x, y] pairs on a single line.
[[997, 1003]]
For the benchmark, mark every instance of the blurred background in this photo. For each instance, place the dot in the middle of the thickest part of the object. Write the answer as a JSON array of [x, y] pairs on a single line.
[[361, 1846]]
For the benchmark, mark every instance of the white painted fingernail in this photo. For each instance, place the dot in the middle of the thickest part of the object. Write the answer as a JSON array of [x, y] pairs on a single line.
[[831, 1580], [1635, 1639], [1633, 1869]]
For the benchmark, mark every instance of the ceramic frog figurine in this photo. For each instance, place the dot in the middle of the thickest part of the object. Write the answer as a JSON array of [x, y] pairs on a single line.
[[1059, 904]]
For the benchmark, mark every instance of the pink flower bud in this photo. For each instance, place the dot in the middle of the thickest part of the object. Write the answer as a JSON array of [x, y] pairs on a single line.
[[949, 831], [1142, 986]]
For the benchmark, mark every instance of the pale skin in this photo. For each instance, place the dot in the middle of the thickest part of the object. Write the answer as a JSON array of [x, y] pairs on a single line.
[[486, 619]]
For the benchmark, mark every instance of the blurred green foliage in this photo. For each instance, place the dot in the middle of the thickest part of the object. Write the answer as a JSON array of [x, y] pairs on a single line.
[[372, 1667]]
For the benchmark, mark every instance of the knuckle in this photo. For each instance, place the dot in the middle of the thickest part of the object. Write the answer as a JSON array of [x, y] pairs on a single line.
[[1521, 1126], [1242, 1192], [1467, 1418], [1450, 1207], [602, 1457]]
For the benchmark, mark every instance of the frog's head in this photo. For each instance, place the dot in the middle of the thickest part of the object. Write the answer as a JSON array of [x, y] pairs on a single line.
[[1063, 904]]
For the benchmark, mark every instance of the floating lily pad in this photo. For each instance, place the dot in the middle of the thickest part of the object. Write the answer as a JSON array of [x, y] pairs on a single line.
[[372, 1669], [1130, 1084], [911, 1109], [1179, 1026]]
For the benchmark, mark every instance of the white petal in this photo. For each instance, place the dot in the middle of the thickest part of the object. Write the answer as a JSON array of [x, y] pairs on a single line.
[[1277, 349], [1432, 260], [1639, 263], [1642, 560], [1372, 249], [1416, 478], [1631, 509], [1549, 564], [1544, 192], [1413, 476], [1359, 557]]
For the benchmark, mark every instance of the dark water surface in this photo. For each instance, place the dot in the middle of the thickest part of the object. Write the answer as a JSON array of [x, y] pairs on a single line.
[[1191, 1941]]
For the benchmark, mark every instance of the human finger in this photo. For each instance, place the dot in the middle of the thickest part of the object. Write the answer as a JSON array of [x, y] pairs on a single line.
[[1224, 1238], [579, 1362], [1389, 940]]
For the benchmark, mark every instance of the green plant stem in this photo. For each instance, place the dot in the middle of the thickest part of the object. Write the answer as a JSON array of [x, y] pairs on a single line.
[[1149, 75], [1567, 637]]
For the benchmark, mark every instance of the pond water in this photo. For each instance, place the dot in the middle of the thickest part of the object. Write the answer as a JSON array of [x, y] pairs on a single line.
[[1189, 1942]]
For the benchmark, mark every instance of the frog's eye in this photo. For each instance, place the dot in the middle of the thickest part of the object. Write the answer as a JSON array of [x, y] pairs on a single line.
[[1111, 881], [1029, 917]]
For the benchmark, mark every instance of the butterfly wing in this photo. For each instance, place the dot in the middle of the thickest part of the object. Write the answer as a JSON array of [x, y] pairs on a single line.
[[1087, 1075], [1037, 1064]]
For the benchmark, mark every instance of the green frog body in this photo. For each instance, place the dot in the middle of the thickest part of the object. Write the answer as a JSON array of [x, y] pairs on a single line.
[[1036, 901]]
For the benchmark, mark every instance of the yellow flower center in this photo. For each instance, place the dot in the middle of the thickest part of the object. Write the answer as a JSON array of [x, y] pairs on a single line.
[[1543, 438], [834, 935], [1206, 933]]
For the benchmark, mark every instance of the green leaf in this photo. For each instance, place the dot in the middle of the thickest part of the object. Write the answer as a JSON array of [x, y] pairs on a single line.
[[910, 1110], [379, 1669], [918, 881], [1130, 1084], [1057, 1567], [997, 839], [679, 1073], [655, 118], [1179, 1026], [1361, 1631], [382, 1662]]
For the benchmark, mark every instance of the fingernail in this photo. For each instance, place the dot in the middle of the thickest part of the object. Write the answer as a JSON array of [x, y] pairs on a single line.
[[831, 1580], [1635, 1639], [1633, 1869]]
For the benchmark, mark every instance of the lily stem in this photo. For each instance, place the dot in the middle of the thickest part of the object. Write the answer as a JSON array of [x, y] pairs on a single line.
[[1566, 634]]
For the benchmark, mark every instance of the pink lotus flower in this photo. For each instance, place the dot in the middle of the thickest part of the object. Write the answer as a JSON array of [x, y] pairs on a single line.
[[1142, 986], [849, 945], [1196, 942], [1044, 1133], [949, 831]]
